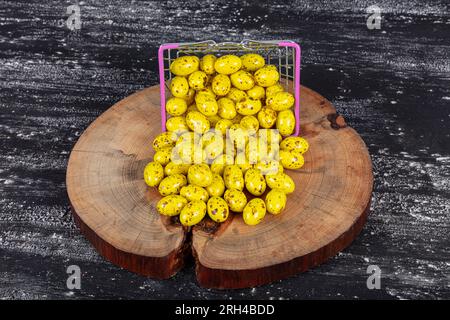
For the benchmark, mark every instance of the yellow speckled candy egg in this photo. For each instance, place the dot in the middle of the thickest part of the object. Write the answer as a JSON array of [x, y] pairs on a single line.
[[206, 104], [254, 182], [217, 186], [218, 209], [192, 192], [248, 106], [298, 144], [172, 184], [207, 64], [280, 101], [257, 92], [233, 177], [250, 123], [285, 122], [267, 117], [242, 161], [267, 76], [274, 89], [236, 95], [198, 80], [163, 156], [235, 199], [222, 125], [238, 136], [228, 64], [153, 174], [275, 201], [291, 160], [179, 87], [221, 84], [176, 106], [254, 211], [227, 108], [269, 167], [197, 122], [190, 97], [252, 62], [280, 181], [176, 168], [171, 205], [164, 140], [242, 80], [200, 175], [192, 213], [218, 165], [185, 65], [176, 124]]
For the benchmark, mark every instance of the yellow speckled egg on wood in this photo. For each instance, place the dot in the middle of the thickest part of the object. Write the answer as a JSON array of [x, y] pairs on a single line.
[[206, 104], [248, 106], [242, 80], [184, 65], [250, 123], [236, 95], [179, 87], [172, 184], [280, 181], [285, 122], [176, 168], [280, 101], [197, 122], [193, 192], [171, 205], [192, 213], [153, 174], [255, 182], [291, 159], [233, 177], [176, 106], [254, 211], [227, 108], [267, 117], [164, 140], [163, 156], [198, 80], [221, 84], [227, 64], [200, 175], [252, 62], [235, 199], [217, 186], [257, 92], [267, 76], [275, 201], [217, 209], [176, 124], [298, 144], [207, 64], [274, 89]]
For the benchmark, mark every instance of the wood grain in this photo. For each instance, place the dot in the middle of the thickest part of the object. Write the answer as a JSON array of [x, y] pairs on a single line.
[[116, 210], [391, 85]]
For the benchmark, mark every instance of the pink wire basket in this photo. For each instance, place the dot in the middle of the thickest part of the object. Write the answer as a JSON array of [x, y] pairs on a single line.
[[286, 55]]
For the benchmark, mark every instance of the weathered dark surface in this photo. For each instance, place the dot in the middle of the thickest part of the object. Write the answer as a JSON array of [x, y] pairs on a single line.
[[392, 85]]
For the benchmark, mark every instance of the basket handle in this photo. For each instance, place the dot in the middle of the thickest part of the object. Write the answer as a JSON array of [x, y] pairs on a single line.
[[298, 54], [162, 81]]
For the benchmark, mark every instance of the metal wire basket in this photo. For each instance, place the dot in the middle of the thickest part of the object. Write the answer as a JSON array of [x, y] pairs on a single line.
[[285, 55]]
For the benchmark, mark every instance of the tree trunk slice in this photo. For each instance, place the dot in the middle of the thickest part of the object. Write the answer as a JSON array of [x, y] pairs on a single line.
[[117, 212]]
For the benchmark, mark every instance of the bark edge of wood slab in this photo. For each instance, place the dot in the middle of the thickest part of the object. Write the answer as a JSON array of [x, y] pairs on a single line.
[[117, 212]]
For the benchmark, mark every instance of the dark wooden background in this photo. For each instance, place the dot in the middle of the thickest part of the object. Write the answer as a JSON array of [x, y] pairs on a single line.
[[392, 85]]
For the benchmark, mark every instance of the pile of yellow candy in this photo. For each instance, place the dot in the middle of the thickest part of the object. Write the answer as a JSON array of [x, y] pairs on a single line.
[[199, 170]]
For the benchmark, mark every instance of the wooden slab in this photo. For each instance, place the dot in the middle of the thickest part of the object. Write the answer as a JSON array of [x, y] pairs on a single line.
[[116, 211]]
